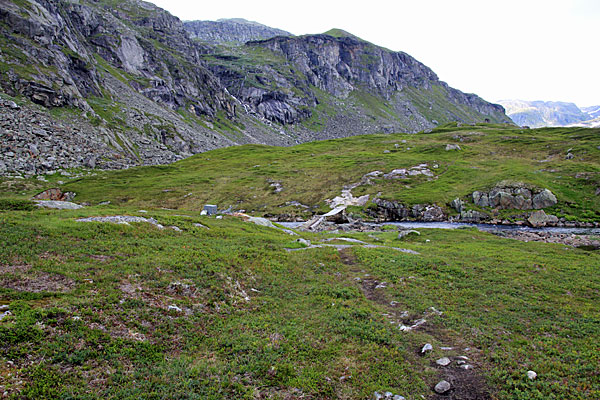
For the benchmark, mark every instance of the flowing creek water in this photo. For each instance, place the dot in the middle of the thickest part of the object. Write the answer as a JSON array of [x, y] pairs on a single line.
[[481, 227]]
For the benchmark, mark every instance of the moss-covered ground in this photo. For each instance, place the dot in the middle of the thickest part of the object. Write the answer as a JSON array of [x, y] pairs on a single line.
[[310, 173], [107, 311]]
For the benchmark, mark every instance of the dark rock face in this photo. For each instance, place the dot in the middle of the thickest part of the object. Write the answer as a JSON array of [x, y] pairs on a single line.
[[515, 196], [388, 210], [340, 65], [231, 30], [71, 41]]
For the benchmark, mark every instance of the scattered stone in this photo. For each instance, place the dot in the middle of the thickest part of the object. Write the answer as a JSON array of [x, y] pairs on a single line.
[[175, 308], [444, 361], [58, 205], [219, 217], [569, 156], [104, 203], [426, 348], [303, 241], [175, 228], [199, 225], [122, 219], [447, 348], [4, 307], [261, 221], [442, 387], [210, 209], [450, 147], [4, 314], [531, 375], [403, 234], [466, 366], [143, 211]]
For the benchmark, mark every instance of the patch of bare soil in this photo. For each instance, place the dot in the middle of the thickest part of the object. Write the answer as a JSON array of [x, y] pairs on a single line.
[[22, 279], [461, 373]]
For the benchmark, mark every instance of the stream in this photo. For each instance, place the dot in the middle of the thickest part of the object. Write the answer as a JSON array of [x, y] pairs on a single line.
[[481, 227]]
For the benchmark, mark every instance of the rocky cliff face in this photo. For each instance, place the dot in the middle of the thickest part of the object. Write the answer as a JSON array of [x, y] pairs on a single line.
[[236, 30], [129, 76], [66, 43]]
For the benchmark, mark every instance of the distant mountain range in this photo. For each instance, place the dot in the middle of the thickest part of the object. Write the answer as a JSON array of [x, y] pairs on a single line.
[[537, 114]]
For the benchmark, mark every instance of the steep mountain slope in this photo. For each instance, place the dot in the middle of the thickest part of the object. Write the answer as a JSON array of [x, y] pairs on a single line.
[[236, 30], [127, 74], [537, 114]]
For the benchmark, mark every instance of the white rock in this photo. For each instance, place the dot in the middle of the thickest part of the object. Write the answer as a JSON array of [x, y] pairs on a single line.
[[531, 375], [426, 348], [443, 361], [442, 387], [466, 366], [175, 308]]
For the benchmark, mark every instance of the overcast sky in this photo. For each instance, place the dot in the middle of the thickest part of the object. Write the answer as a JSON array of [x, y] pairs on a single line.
[[510, 49]]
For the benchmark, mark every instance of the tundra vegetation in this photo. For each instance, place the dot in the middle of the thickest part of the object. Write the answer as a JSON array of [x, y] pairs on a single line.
[[223, 308]]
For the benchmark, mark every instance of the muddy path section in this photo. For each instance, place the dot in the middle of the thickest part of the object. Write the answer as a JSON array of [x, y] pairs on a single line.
[[462, 372]]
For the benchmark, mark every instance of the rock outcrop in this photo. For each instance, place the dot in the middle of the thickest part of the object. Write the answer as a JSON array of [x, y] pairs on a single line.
[[517, 196], [234, 30], [388, 210]]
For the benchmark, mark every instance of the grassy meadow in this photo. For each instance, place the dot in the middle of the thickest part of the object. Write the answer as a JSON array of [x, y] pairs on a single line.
[[223, 308]]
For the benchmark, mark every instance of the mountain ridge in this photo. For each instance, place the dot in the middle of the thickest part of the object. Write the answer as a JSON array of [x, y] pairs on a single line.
[[539, 113], [155, 95]]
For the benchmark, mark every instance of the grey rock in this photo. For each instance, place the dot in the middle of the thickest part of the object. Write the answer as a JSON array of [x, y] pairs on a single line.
[[442, 387], [451, 147], [427, 347], [540, 218], [544, 199], [122, 219], [473, 216], [444, 361], [569, 156], [532, 375], [261, 221], [231, 30], [457, 204], [174, 308], [59, 205], [402, 234], [517, 196]]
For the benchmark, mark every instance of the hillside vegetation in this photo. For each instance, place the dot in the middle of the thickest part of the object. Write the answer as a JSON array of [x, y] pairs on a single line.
[[246, 177], [206, 308]]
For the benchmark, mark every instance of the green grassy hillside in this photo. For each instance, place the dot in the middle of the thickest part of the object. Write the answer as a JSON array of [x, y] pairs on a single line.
[[221, 308], [106, 311], [310, 173]]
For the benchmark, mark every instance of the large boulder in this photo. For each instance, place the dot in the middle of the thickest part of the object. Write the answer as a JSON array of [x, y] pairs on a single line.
[[54, 194], [514, 196], [544, 199], [539, 218]]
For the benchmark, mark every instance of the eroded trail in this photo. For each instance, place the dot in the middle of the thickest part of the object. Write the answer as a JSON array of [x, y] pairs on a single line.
[[460, 367]]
